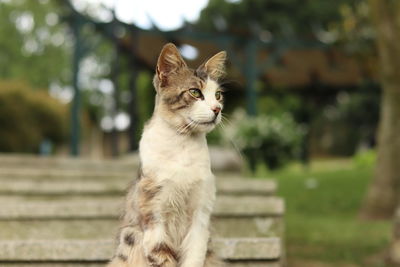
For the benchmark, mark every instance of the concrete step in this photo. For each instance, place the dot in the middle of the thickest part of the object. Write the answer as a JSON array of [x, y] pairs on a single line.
[[67, 163], [8, 173], [64, 212], [33, 207], [236, 263], [222, 159], [55, 229], [231, 249], [226, 186]]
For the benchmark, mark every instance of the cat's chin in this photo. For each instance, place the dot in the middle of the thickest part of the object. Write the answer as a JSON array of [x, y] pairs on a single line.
[[206, 128], [203, 126]]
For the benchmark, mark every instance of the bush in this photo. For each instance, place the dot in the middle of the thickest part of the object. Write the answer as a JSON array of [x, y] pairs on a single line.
[[271, 139], [334, 130], [365, 158], [28, 117]]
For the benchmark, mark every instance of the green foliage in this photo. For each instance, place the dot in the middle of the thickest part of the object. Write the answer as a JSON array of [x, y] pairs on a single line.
[[338, 120], [28, 117], [272, 139], [278, 104], [366, 158], [322, 204], [33, 43], [355, 30], [281, 18], [146, 93]]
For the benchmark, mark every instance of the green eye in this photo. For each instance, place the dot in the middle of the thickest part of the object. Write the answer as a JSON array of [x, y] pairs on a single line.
[[218, 95], [195, 93]]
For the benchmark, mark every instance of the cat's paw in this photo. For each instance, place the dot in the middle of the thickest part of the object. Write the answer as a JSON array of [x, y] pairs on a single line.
[[162, 256]]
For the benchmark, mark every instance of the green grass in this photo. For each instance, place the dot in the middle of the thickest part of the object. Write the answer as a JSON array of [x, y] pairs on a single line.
[[322, 203]]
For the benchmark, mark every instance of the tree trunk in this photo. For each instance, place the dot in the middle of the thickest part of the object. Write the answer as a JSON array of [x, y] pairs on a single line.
[[384, 193]]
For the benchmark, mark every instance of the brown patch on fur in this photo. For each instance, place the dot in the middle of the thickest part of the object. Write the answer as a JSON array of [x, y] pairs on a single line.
[[163, 255], [152, 261], [166, 250], [146, 220], [176, 95], [129, 239], [201, 74], [147, 191], [178, 101], [122, 257]]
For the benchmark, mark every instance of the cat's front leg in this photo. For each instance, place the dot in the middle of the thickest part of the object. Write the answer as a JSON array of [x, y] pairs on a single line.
[[158, 251], [194, 246]]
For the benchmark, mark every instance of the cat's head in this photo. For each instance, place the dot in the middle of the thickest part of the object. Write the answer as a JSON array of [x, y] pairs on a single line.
[[189, 100]]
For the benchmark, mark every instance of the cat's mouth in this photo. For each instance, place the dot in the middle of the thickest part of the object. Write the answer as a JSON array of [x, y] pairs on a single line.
[[207, 122], [211, 122]]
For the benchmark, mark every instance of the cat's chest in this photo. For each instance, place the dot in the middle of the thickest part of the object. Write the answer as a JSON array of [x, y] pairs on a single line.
[[176, 159]]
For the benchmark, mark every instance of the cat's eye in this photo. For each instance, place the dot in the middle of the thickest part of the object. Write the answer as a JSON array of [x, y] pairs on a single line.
[[195, 93], [218, 95]]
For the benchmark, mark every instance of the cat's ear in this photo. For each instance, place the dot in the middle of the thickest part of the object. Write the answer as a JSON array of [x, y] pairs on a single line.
[[169, 61], [215, 66]]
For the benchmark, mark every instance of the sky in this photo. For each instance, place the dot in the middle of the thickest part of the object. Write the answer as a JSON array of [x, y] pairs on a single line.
[[166, 14]]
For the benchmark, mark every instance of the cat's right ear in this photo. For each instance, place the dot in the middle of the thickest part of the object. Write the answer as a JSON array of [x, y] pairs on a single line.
[[169, 62]]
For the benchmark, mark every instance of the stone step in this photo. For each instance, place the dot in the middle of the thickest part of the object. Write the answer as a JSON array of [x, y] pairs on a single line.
[[53, 173], [55, 229], [33, 207], [226, 186], [67, 163], [236, 263], [7, 173], [222, 159], [231, 249]]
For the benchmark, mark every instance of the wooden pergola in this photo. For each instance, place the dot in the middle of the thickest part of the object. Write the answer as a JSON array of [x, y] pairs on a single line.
[[250, 59]]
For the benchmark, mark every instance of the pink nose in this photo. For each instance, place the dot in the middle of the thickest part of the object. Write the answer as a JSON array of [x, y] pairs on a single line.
[[216, 110]]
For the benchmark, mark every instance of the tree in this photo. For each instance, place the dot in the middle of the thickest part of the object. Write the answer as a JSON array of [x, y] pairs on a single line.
[[297, 19], [384, 193], [33, 43]]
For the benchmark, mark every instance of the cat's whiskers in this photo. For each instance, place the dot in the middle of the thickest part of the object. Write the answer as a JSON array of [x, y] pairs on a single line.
[[224, 120], [183, 128], [195, 125]]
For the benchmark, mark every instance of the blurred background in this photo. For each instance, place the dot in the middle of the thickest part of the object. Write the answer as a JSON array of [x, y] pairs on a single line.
[[308, 83]]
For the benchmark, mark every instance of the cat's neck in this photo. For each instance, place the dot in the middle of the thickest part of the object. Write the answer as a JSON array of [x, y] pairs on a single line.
[[167, 131], [162, 145]]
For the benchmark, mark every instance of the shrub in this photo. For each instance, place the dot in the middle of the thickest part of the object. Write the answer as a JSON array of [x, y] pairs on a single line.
[[365, 158], [334, 130], [272, 139], [28, 117]]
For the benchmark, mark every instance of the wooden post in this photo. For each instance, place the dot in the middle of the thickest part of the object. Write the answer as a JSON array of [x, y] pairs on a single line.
[[116, 105], [76, 102], [133, 106], [251, 74]]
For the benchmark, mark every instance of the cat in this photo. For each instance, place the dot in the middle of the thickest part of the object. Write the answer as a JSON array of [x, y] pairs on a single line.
[[168, 208]]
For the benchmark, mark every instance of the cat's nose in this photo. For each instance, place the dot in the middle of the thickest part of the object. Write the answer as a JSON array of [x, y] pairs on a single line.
[[216, 110]]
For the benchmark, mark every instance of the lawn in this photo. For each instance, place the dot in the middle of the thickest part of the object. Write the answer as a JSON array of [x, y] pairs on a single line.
[[322, 227]]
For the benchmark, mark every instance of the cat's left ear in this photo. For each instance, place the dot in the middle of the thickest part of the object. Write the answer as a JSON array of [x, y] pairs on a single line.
[[215, 66], [170, 61]]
